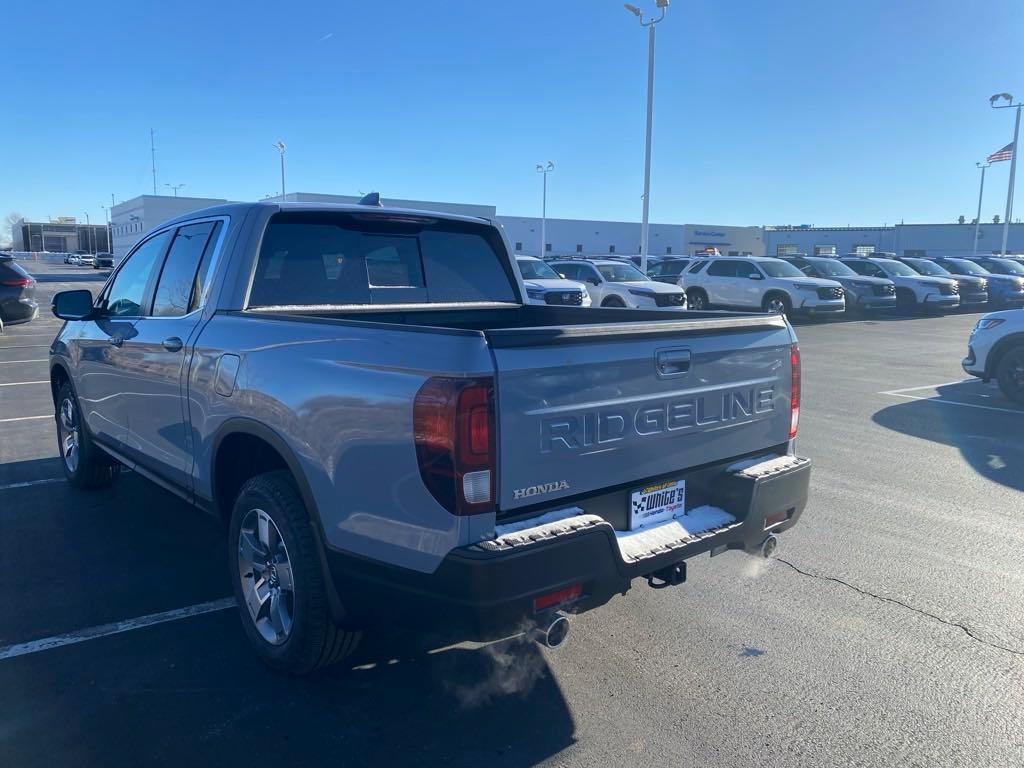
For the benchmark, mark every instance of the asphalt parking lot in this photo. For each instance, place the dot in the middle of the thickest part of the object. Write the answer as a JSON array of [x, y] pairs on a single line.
[[888, 632]]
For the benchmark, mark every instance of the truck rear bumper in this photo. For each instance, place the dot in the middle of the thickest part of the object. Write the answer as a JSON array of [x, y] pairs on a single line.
[[577, 563]]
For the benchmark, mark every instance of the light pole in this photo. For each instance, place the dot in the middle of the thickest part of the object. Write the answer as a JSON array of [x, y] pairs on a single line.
[[175, 187], [88, 231], [279, 146], [1013, 157], [106, 215], [977, 221], [644, 226], [545, 170]]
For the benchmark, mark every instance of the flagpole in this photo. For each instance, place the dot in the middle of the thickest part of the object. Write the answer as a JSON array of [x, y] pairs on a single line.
[[1013, 173], [977, 221]]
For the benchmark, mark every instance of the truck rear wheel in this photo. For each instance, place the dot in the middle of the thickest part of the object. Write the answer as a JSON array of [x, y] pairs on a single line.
[[278, 581], [85, 465], [1010, 374]]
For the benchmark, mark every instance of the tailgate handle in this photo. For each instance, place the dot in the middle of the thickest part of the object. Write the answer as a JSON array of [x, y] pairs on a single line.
[[673, 362]]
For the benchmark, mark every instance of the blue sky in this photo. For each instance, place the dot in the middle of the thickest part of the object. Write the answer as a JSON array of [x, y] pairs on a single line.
[[796, 111]]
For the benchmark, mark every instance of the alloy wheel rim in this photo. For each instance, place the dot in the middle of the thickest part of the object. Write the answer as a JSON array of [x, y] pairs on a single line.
[[777, 306], [697, 301], [265, 571], [69, 437]]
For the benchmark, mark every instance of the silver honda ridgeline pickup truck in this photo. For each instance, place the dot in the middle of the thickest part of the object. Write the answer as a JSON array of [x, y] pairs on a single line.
[[390, 432]]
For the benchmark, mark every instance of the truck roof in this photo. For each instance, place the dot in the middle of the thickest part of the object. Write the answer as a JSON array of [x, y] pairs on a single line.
[[240, 209]]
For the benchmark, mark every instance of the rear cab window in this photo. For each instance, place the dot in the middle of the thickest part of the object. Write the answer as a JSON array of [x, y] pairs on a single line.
[[333, 258]]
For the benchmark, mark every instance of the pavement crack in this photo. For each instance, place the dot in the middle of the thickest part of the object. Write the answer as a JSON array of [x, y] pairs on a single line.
[[962, 627]]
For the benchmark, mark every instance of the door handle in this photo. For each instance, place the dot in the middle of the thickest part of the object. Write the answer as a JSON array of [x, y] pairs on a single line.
[[672, 362], [173, 344]]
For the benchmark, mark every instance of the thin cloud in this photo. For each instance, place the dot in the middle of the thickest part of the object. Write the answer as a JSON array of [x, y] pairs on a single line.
[[328, 36]]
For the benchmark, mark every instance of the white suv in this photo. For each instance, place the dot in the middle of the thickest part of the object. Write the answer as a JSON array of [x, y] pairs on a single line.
[[913, 289], [996, 351], [614, 283], [771, 285], [545, 286]]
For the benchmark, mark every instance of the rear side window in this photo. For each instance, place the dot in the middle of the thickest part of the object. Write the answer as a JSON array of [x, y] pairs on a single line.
[[341, 258], [568, 271], [178, 291], [10, 267], [722, 269], [696, 267], [128, 291]]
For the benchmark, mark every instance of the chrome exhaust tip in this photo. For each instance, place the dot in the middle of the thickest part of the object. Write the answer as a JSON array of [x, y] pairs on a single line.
[[554, 634], [768, 547]]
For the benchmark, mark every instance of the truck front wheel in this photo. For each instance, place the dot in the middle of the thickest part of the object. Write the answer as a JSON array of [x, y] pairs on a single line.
[[278, 581], [85, 465]]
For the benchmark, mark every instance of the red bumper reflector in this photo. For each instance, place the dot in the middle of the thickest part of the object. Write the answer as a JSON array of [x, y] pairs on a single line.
[[775, 519], [559, 597]]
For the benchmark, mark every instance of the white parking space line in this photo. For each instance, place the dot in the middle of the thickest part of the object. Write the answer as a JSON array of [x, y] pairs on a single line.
[[938, 400], [26, 418], [12, 362], [30, 483], [117, 627], [21, 383], [929, 386]]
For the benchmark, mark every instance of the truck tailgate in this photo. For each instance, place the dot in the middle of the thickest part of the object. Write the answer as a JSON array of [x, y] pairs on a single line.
[[586, 408]]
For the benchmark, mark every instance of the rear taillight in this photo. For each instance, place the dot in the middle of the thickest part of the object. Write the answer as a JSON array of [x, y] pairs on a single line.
[[794, 392], [453, 422], [19, 282]]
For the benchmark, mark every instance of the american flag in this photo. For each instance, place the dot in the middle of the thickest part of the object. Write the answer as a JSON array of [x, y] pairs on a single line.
[[1003, 154]]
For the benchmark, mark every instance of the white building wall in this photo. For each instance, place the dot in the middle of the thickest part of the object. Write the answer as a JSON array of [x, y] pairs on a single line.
[[932, 239]]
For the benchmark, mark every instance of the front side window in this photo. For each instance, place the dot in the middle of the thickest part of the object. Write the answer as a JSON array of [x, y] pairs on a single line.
[[176, 290], [926, 267], [898, 268], [127, 293], [779, 269], [963, 267], [327, 258], [568, 271], [1003, 267], [831, 268]]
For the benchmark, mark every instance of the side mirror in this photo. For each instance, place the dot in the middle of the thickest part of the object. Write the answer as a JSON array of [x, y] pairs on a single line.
[[72, 305]]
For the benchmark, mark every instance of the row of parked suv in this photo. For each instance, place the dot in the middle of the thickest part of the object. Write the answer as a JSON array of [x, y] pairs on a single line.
[[791, 284]]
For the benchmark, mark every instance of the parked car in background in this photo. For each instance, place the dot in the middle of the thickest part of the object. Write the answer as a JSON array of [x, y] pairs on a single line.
[[1003, 289], [913, 290], [669, 270], [614, 283], [103, 259], [973, 289], [995, 350], [17, 293], [765, 283], [545, 286], [862, 293], [392, 437], [1005, 278]]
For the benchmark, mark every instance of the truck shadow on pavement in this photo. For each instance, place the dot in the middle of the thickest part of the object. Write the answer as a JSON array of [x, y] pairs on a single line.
[[989, 440], [188, 689]]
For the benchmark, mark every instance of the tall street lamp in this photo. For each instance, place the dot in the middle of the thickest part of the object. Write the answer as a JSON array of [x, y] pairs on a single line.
[[88, 232], [650, 24], [279, 146], [545, 170], [977, 221], [1013, 157], [106, 215], [175, 187]]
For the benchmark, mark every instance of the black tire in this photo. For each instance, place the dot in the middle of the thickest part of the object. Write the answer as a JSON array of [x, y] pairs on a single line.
[[613, 301], [85, 464], [1010, 374], [697, 299], [313, 640], [777, 303]]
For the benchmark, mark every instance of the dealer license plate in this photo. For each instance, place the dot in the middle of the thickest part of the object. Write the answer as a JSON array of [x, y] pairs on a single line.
[[657, 503]]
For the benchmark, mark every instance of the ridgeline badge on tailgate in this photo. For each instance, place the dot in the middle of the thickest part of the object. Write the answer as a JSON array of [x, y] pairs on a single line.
[[537, 490]]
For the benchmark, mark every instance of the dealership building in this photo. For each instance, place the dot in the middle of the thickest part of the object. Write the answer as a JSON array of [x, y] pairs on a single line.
[[60, 235], [566, 237]]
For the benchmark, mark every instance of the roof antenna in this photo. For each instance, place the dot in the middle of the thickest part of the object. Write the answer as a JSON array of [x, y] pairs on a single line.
[[373, 198]]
